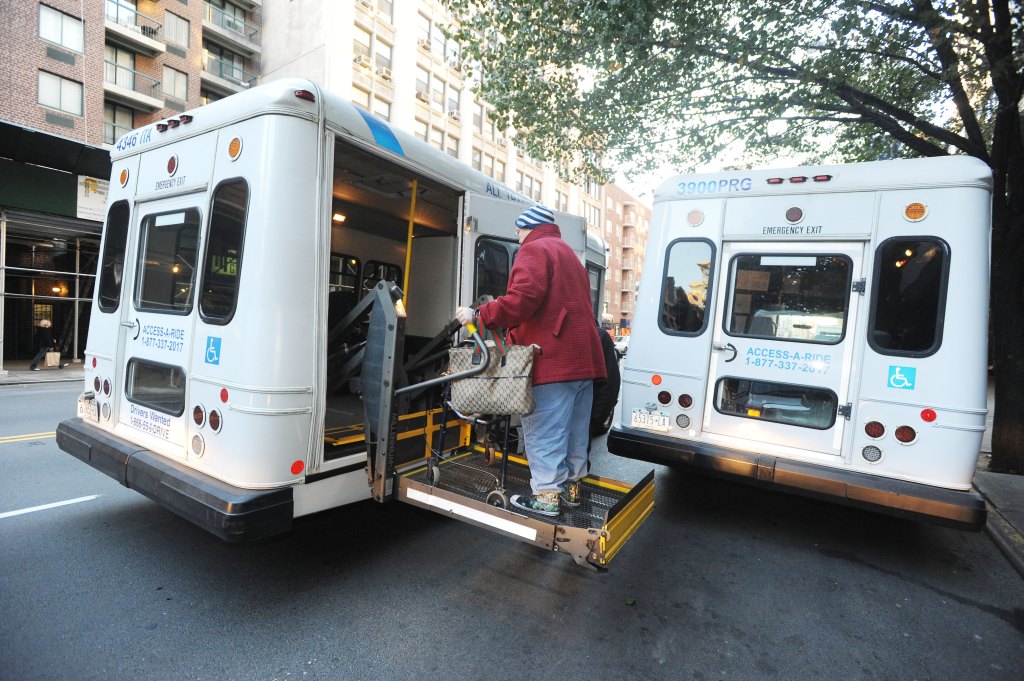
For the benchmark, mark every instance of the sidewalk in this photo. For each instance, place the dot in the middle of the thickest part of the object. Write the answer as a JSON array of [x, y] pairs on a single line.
[[18, 373], [1004, 493]]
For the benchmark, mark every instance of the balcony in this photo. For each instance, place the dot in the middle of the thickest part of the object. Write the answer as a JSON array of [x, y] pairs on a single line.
[[134, 30], [628, 262], [224, 77], [132, 89], [230, 31]]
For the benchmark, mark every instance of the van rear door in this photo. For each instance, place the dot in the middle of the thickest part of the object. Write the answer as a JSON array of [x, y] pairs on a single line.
[[783, 344], [156, 324]]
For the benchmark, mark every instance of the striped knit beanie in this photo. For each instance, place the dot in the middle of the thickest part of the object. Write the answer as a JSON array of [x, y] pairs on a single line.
[[534, 217]]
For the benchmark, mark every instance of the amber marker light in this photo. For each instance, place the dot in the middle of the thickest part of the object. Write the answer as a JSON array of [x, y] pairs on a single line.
[[123, 177], [235, 148], [915, 212]]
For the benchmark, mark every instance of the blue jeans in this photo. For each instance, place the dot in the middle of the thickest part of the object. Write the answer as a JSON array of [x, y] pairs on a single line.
[[557, 434]]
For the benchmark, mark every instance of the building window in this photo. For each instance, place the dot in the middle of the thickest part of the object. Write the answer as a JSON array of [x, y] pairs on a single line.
[[422, 84], [499, 171], [452, 146], [437, 94], [60, 93], [422, 30], [223, 63], [175, 84], [385, 10], [117, 120], [478, 159], [488, 167], [205, 97], [63, 29], [382, 109], [420, 130], [437, 138], [227, 15], [176, 29], [453, 98], [382, 56], [119, 67], [361, 98], [121, 12], [361, 45], [478, 117]]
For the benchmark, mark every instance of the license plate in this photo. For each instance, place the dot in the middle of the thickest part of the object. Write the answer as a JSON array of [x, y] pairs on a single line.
[[88, 410], [641, 418]]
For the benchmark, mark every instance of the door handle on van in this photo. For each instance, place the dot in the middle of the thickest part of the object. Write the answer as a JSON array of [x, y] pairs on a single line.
[[130, 325], [726, 346]]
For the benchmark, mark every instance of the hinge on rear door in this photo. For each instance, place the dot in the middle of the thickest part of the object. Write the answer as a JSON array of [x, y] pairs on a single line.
[[846, 410], [860, 286]]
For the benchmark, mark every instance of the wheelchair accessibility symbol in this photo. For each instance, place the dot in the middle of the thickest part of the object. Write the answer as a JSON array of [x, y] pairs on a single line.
[[212, 350], [902, 378]]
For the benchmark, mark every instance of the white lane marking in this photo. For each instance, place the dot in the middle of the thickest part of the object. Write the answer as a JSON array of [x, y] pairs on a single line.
[[79, 500]]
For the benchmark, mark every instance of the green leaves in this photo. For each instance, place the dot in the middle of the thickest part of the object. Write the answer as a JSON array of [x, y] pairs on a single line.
[[633, 83]]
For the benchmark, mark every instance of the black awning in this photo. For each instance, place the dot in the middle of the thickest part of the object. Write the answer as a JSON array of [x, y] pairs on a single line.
[[26, 145]]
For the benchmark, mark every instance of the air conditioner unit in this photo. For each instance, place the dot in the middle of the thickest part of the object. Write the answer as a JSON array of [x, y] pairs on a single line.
[[454, 114], [424, 43], [422, 96], [362, 60], [384, 72]]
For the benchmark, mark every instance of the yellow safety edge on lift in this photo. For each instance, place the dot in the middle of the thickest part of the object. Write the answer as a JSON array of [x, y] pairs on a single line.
[[635, 507]]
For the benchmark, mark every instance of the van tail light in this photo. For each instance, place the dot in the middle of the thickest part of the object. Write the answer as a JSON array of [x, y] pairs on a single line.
[[664, 397], [215, 421], [905, 434], [199, 415], [874, 429]]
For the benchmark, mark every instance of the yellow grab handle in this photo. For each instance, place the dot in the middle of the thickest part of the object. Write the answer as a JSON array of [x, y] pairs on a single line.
[[471, 327]]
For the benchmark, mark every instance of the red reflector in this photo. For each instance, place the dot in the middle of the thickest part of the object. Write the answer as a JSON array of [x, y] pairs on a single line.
[[297, 467], [822, 178], [874, 429], [173, 122], [798, 179], [93, 362], [685, 401], [306, 95], [224, 395], [656, 379], [928, 415], [664, 397], [185, 118], [775, 180], [161, 127], [905, 434]]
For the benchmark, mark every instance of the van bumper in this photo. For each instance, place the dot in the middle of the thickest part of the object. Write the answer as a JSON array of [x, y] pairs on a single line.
[[231, 513], [963, 510]]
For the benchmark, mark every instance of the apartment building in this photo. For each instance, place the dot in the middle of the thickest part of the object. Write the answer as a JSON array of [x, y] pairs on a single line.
[[626, 224], [77, 75]]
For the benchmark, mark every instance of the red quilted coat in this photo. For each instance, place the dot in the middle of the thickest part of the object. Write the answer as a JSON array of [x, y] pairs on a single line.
[[548, 303]]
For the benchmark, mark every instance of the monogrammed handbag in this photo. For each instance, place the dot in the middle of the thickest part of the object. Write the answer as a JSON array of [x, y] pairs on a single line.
[[502, 388]]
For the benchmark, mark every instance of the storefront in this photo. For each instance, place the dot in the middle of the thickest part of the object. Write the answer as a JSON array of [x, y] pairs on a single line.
[[52, 196]]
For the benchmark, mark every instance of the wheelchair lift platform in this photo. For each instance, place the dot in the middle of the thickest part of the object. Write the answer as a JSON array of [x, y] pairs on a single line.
[[462, 481]]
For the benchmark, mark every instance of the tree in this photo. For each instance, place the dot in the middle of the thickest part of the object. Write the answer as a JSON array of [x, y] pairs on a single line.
[[639, 82]]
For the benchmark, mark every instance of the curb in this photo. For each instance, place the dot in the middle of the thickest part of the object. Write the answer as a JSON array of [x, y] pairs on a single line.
[[1006, 537]]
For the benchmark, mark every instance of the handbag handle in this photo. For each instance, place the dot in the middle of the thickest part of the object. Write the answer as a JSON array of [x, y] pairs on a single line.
[[498, 343]]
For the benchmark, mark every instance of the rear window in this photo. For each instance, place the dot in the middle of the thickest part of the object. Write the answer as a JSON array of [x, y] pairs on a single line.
[[157, 386], [167, 262], [800, 298], [909, 296], [223, 265], [685, 287], [794, 405], [112, 263]]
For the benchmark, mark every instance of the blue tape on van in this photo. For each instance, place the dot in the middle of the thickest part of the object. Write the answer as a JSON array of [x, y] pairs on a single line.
[[382, 133]]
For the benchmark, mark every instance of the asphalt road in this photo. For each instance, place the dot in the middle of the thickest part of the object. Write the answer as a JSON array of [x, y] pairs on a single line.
[[722, 582]]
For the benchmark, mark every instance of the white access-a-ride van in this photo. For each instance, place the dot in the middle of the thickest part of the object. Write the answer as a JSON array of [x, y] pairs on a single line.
[[820, 330]]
